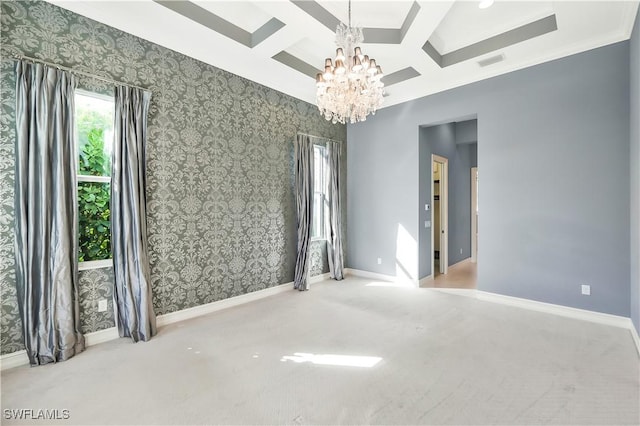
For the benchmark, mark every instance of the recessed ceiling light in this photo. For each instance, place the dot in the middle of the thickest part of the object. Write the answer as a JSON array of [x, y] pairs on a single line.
[[485, 4]]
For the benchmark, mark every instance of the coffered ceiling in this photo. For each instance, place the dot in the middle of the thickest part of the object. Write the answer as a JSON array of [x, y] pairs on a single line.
[[424, 47]]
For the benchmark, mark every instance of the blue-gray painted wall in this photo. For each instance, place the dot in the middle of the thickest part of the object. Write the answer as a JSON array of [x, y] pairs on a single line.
[[554, 193], [635, 172], [467, 131], [444, 140]]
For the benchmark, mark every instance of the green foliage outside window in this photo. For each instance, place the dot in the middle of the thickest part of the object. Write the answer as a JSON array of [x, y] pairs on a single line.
[[94, 121], [94, 221], [93, 159]]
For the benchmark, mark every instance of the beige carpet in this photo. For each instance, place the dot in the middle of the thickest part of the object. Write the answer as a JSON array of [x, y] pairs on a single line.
[[348, 353]]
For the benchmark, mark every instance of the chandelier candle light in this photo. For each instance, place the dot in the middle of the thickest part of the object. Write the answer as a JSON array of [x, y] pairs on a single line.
[[350, 87]]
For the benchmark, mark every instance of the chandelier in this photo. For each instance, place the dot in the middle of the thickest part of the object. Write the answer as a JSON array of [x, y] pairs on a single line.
[[350, 87]]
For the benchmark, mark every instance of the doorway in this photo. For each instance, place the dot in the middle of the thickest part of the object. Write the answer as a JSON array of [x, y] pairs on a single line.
[[439, 214]]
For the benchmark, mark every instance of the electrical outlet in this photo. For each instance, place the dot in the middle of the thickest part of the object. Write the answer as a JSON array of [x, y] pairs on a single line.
[[460, 251], [102, 305], [379, 261], [586, 290]]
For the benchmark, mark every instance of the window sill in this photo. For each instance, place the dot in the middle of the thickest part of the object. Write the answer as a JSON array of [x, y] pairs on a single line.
[[95, 264], [314, 239]]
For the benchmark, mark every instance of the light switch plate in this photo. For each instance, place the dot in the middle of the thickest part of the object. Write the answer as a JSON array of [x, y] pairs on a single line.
[[586, 290]]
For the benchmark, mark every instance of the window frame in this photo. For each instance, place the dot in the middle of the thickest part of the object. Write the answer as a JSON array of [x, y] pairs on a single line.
[[103, 263]]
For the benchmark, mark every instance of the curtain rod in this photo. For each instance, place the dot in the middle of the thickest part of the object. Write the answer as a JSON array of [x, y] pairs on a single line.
[[318, 137], [73, 71]]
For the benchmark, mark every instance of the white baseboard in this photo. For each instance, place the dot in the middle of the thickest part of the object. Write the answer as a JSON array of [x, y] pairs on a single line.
[[565, 311], [14, 359], [634, 336], [200, 310], [19, 358], [467, 292], [404, 282], [371, 275], [319, 278], [101, 336], [461, 262], [425, 280]]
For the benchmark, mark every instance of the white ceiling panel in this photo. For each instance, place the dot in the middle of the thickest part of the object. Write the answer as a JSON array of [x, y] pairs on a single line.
[[244, 14], [374, 14], [466, 23]]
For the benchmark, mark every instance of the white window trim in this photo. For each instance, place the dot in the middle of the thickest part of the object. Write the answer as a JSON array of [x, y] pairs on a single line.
[[92, 178], [104, 97], [95, 264]]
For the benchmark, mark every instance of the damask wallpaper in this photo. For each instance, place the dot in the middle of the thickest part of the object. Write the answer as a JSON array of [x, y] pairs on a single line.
[[221, 213], [95, 285]]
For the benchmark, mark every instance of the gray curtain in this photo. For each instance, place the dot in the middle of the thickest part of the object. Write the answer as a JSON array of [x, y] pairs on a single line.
[[334, 219], [303, 165], [132, 291], [46, 213]]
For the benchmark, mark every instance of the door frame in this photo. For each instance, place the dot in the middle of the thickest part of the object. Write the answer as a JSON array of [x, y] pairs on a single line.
[[474, 214], [444, 215]]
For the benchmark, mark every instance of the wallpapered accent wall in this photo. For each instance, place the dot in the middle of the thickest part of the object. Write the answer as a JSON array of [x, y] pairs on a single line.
[[221, 212]]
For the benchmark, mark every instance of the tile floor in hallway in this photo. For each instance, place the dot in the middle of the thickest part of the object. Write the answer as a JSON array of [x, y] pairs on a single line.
[[461, 275]]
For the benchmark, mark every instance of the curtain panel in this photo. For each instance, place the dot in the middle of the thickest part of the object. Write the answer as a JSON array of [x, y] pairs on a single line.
[[133, 298], [334, 218], [46, 213], [303, 177]]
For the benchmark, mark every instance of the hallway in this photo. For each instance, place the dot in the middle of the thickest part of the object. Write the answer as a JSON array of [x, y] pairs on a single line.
[[461, 275]]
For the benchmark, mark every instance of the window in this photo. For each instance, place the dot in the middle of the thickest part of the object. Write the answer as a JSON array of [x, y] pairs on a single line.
[[94, 140], [320, 181]]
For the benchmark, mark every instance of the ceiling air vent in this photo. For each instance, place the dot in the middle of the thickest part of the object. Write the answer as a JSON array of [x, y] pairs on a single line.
[[490, 61]]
